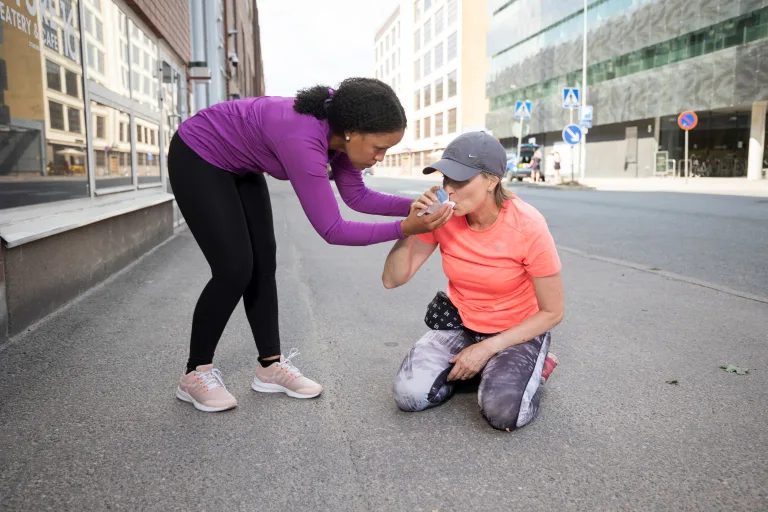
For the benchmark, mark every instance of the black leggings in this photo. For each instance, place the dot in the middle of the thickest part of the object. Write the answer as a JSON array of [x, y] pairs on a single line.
[[230, 217]]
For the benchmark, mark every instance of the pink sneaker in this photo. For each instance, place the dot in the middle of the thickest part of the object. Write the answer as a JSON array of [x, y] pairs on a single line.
[[283, 377], [204, 388], [549, 366]]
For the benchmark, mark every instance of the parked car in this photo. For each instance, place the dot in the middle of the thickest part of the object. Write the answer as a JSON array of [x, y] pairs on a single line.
[[519, 168]]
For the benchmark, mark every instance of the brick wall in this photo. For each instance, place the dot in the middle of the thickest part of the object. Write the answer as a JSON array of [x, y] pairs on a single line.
[[169, 19]]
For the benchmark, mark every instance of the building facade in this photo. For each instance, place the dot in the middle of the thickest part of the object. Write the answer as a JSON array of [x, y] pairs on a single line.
[[432, 52], [226, 52], [91, 93], [648, 61]]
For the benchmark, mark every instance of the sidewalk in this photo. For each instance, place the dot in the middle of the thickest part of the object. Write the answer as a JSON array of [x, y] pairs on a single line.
[[89, 421], [719, 186]]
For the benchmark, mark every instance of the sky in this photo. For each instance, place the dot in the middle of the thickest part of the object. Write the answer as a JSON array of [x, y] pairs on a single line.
[[308, 42]]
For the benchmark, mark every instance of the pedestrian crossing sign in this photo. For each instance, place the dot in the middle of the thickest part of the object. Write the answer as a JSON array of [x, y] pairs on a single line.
[[523, 110], [571, 97]]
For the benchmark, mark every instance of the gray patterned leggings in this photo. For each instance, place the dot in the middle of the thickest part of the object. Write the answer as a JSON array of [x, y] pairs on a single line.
[[510, 383]]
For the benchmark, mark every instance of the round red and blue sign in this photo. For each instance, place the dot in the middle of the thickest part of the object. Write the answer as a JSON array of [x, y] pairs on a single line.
[[688, 120]]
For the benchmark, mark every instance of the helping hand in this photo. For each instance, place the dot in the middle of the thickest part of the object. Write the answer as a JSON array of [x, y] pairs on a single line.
[[415, 225]]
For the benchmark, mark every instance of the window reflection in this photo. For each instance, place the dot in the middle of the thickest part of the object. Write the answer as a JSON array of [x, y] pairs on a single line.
[[143, 66], [42, 128], [111, 146], [147, 151]]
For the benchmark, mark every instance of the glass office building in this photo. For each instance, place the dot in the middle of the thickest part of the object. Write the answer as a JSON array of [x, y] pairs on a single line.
[[648, 60]]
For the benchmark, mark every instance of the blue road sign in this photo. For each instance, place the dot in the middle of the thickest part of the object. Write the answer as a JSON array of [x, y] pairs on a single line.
[[585, 116], [571, 97], [522, 110], [572, 134]]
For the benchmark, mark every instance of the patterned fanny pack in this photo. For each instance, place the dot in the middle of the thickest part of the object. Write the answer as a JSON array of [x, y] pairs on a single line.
[[442, 315]]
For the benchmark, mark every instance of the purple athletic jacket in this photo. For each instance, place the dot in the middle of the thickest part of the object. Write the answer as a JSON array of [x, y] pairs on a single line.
[[266, 135]]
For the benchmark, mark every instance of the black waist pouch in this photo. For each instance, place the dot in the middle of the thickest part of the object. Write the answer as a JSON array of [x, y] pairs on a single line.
[[442, 315]]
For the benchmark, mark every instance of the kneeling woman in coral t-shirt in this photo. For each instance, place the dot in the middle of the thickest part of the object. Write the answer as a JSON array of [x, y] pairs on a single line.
[[504, 291]]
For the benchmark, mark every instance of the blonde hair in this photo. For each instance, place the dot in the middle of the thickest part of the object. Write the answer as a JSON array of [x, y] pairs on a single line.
[[500, 193]]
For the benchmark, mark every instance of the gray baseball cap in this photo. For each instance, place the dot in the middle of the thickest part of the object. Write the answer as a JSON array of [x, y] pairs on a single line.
[[470, 154]]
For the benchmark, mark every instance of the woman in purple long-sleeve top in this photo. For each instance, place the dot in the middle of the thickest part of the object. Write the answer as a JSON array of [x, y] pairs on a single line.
[[216, 164]]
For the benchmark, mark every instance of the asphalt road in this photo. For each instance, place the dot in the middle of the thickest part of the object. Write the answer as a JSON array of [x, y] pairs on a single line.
[[89, 421], [719, 239]]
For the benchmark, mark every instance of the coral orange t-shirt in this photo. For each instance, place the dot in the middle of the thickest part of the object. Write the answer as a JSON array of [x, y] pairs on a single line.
[[489, 272]]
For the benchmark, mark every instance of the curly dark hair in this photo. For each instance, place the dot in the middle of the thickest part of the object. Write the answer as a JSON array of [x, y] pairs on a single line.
[[363, 105]]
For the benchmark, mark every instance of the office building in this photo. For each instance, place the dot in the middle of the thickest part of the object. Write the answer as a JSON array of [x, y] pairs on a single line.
[[648, 61], [432, 52]]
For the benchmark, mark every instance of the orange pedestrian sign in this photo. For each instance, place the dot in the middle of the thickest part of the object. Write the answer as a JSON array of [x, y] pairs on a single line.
[[688, 120]]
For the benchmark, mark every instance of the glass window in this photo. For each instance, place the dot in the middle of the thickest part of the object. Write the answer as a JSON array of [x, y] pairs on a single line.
[[136, 54], [148, 153], [73, 116], [53, 72], [438, 124], [428, 31], [438, 56], [417, 100], [427, 95], [56, 113], [427, 64], [100, 127], [139, 133], [88, 21], [451, 12], [35, 114], [439, 25], [427, 127], [452, 85], [452, 46], [452, 121], [417, 39], [438, 90], [99, 31], [417, 10], [72, 79], [114, 168], [427, 4], [417, 130], [417, 69]]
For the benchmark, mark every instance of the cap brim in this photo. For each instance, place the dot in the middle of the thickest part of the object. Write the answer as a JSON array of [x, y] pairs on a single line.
[[453, 169]]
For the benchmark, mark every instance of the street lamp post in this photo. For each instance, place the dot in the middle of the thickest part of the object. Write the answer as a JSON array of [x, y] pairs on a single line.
[[584, 95]]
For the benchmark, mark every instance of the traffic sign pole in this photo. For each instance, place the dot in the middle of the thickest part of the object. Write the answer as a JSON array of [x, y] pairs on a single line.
[[687, 121], [686, 157], [573, 159], [584, 95]]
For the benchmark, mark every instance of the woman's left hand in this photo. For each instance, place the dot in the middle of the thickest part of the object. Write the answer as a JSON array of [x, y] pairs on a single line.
[[470, 361]]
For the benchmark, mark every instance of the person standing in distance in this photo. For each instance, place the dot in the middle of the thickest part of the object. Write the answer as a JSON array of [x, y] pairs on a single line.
[[216, 165]]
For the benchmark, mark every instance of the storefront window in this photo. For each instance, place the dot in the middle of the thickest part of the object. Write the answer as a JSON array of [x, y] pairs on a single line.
[[111, 147], [147, 151], [42, 129], [143, 66]]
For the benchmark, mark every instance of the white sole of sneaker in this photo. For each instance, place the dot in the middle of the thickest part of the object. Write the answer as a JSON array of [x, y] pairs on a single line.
[[265, 387], [184, 396]]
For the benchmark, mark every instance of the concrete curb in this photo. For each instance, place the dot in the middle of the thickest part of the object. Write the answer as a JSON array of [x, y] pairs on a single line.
[[564, 186]]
